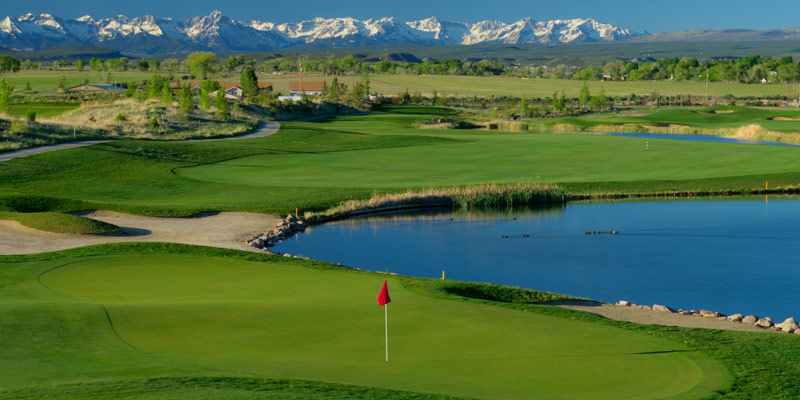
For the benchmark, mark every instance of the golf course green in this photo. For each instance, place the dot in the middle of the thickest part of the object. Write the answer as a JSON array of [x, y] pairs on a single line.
[[109, 317]]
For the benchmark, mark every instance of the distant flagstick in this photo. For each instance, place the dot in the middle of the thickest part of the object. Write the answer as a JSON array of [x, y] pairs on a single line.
[[383, 301]]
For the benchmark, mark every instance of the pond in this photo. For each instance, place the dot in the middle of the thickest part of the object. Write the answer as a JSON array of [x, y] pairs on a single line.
[[697, 138], [733, 255]]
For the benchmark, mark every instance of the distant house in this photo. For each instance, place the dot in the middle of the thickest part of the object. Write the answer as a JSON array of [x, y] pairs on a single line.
[[233, 90], [308, 88], [93, 87]]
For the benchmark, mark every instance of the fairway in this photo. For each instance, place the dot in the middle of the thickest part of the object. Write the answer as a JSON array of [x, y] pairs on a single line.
[[316, 165], [212, 316], [501, 158]]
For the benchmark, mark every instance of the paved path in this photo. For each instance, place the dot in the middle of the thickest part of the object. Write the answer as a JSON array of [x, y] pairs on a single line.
[[264, 129]]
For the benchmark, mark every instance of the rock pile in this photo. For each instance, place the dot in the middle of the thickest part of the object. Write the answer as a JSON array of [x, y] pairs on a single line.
[[284, 229], [788, 326]]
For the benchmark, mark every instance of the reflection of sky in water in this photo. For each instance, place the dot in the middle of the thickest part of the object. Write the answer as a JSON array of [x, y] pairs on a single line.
[[697, 138], [730, 255]]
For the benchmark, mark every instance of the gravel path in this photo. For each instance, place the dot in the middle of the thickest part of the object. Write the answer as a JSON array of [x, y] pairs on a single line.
[[265, 128], [641, 316], [225, 229]]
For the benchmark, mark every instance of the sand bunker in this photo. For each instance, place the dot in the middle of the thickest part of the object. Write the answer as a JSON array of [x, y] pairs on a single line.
[[227, 229]]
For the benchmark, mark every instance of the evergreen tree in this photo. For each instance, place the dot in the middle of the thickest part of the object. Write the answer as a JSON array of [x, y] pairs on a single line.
[[249, 82], [5, 95], [185, 99], [166, 95], [222, 105]]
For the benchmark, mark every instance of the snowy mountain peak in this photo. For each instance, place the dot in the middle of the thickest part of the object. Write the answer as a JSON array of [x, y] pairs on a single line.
[[215, 31]]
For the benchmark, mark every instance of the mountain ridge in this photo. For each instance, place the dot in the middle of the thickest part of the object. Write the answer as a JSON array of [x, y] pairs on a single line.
[[216, 32]]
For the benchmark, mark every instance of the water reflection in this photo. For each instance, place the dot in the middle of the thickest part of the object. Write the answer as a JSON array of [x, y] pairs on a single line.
[[729, 255]]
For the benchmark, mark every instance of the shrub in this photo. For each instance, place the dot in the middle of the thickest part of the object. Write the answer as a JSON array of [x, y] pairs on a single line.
[[18, 127], [154, 123], [121, 117], [30, 116]]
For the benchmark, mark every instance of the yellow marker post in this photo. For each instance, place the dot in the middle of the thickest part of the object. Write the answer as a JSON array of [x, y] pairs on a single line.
[[295, 211], [767, 185], [442, 274]]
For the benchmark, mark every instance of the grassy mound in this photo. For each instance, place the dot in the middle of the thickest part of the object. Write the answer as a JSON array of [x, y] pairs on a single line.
[[59, 223]]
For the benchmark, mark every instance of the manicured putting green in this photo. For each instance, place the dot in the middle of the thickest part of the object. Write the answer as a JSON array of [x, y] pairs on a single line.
[[281, 320]]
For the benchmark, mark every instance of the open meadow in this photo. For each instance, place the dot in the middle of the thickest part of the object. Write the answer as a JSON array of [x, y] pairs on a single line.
[[499, 86]]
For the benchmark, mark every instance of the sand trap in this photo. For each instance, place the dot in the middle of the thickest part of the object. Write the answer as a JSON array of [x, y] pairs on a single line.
[[783, 119], [716, 112], [640, 316], [226, 229]]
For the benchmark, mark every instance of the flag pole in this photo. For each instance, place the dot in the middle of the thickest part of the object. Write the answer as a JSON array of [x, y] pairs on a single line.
[[386, 323]]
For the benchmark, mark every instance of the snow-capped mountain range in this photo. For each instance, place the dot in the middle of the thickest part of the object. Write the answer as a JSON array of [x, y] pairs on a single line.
[[218, 32]]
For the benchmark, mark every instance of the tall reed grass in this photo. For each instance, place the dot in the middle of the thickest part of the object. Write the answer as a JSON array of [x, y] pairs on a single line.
[[477, 196]]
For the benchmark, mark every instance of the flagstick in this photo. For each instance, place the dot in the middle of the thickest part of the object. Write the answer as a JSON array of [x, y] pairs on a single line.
[[386, 322]]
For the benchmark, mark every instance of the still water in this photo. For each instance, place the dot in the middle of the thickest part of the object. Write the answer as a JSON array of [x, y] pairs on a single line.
[[698, 138], [728, 255]]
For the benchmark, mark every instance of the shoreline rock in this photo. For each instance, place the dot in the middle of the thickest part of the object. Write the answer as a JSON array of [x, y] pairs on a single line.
[[790, 325], [284, 229]]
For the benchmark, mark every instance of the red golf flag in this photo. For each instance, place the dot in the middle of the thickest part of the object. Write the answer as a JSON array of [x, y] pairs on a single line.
[[383, 296]]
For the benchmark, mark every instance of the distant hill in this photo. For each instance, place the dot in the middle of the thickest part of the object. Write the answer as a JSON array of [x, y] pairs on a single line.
[[64, 53], [722, 35]]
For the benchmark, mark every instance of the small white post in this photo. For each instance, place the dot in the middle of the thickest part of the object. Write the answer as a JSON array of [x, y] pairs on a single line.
[[386, 323]]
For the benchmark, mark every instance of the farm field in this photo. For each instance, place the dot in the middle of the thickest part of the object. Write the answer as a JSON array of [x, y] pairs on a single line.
[[315, 165], [116, 317], [444, 84]]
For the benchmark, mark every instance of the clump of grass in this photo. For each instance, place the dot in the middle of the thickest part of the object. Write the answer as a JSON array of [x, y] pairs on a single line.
[[489, 195], [505, 294], [60, 223]]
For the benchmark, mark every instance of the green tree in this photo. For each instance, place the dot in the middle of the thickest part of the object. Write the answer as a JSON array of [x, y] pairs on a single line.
[[222, 105], [185, 99], [584, 96], [155, 86], [153, 65], [9, 64], [28, 86], [205, 99], [333, 94], [202, 63], [143, 65], [130, 91], [600, 101], [5, 95], [62, 84], [558, 102], [249, 82], [79, 65], [166, 95]]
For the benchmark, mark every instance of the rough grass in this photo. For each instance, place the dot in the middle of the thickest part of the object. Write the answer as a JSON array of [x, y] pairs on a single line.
[[59, 223], [477, 196]]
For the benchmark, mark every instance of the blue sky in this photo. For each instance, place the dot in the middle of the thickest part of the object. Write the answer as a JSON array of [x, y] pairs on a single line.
[[639, 15]]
